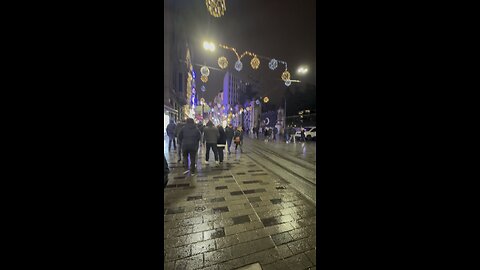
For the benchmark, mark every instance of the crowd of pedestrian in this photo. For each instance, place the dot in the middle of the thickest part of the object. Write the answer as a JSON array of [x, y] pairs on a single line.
[[191, 137]]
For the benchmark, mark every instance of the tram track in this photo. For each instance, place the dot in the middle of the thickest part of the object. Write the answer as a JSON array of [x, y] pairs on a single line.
[[282, 169]]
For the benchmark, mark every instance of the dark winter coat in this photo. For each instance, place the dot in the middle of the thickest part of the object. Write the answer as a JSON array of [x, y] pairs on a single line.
[[222, 139], [171, 129], [238, 133], [210, 134], [178, 128], [166, 171], [189, 136], [229, 133]]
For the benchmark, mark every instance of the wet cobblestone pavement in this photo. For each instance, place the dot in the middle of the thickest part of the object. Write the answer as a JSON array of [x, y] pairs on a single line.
[[233, 215]]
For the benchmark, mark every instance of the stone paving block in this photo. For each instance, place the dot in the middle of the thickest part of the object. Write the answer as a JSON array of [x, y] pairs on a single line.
[[300, 246], [202, 227], [193, 262], [220, 209], [215, 233], [250, 247], [178, 253], [278, 265], [203, 246], [312, 256], [279, 228], [232, 264], [234, 229], [264, 257], [299, 261], [282, 238], [284, 251], [212, 267], [254, 199], [227, 241], [241, 219], [175, 232], [169, 265], [217, 256], [183, 240]]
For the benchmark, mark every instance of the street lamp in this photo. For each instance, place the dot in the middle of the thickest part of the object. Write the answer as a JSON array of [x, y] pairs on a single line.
[[302, 70], [209, 46]]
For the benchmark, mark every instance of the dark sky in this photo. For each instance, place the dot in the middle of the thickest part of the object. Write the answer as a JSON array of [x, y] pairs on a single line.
[[281, 29]]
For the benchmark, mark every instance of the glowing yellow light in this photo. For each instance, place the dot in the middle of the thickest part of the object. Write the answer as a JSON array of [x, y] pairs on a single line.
[[204, 79], [222, 62], [265, 99], [255, 62], [286, 75]]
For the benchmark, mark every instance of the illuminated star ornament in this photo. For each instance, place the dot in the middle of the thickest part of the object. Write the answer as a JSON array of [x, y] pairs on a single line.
[[222, 62], [205, 71], [204, 78], [238, 65], [203, 88], [286, 75], [255, 62], [288, 82], [216, 8], [273, 64]]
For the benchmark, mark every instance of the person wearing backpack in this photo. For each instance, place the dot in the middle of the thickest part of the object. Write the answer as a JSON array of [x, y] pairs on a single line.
[[238, 139]]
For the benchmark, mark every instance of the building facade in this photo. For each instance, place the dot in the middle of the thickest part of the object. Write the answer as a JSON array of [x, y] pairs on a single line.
[[178, 77], [232, 89]]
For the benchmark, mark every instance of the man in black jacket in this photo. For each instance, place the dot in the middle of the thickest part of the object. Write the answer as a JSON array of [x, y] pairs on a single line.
[[179, 142], [171, 135], [190, 137], [229, 136], [210, 137]]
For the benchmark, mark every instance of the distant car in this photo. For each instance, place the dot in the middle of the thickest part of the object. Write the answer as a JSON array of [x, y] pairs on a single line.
[[310, 133]]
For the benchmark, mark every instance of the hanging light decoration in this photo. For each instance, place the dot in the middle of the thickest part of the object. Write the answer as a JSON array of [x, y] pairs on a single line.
[[273, 64], [205, 71], [222, 62], [257, 102], [216, 8], [286, 75], [238, 65], [288, 82], [255, 62], [265, 99], [203, 88], [204, 78]]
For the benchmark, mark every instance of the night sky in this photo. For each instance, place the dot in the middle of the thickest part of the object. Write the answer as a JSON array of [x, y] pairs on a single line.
[[280, 29]]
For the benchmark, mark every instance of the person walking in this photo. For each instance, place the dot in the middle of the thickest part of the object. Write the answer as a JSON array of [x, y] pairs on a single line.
[[190, 137], [171, 135], [302, 134], [200, 127], [238, 135], [210, 137], [179, 142], [222, 140], [229, 136]]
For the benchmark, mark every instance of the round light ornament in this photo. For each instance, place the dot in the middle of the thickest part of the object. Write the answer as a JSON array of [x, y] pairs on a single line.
[[255, 62], [273, 64], [286, 75], [222, 62], [265, 99], [257, 102], [216, 8], [205, 71], [238, 65], [204, 78], [288, 82]]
